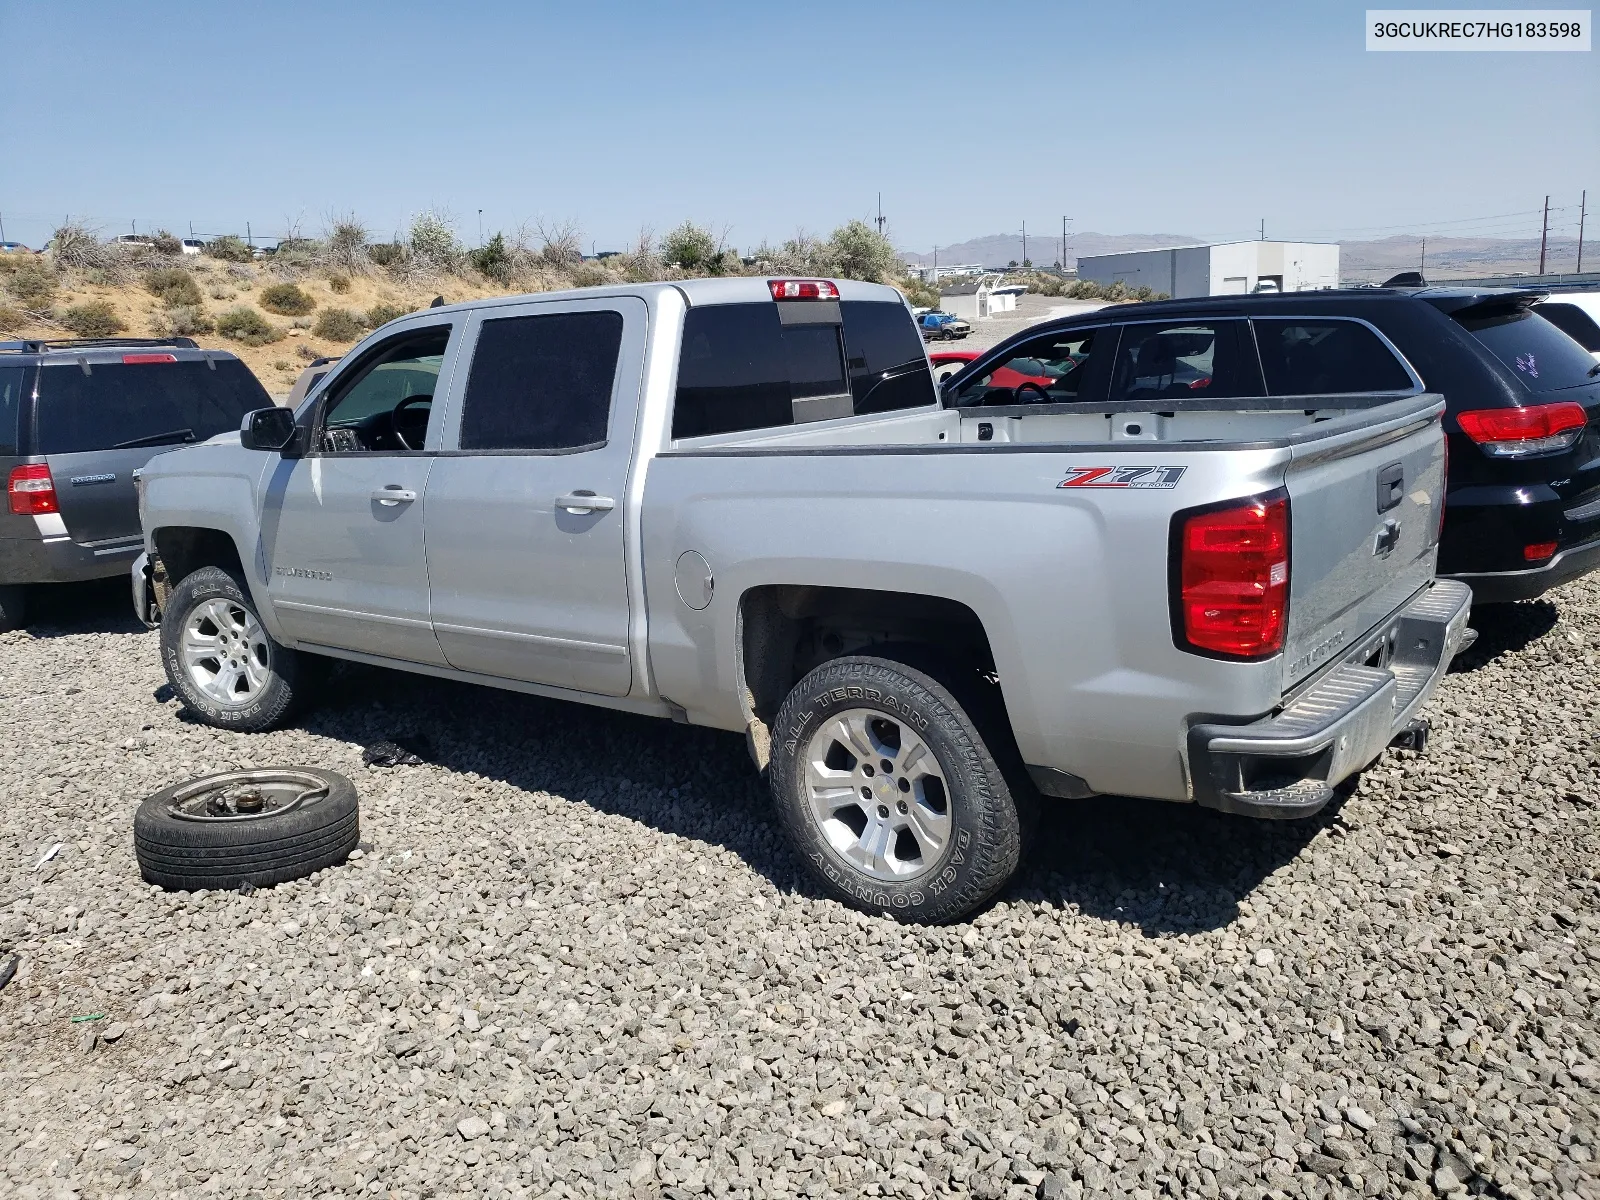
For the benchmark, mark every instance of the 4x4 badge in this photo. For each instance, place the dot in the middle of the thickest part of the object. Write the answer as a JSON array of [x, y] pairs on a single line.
[[1164, 478]]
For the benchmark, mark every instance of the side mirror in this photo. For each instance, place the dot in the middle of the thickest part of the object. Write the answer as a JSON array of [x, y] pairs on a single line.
[[271, 429]]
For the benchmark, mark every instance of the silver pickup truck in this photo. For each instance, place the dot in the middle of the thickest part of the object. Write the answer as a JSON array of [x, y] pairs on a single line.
[[1104, 560]]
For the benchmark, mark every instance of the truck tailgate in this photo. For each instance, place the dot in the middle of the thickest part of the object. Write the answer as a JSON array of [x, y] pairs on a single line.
[[1364, 508]]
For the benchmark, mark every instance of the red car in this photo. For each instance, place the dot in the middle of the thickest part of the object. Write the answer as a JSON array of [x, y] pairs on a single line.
[[947, 362]]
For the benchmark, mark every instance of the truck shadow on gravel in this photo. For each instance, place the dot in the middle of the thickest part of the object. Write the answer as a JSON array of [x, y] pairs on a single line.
[[1165, 868], [1506, 629], [61, 609]]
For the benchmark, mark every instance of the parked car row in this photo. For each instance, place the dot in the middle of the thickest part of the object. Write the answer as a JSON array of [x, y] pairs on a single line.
[[1184, 550], [1522, 397]]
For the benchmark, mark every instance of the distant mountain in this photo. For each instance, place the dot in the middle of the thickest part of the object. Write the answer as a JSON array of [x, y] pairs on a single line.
[[1370, 261], [998, 249], [1459, 258]]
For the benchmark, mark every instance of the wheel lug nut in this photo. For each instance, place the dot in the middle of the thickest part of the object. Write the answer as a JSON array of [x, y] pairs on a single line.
[[883, 810], [888, 767], [866, 793], [901, 806], [866, 769]]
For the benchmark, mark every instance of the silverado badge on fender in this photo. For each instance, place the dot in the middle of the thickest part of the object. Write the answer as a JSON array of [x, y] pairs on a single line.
[[1164, 478]]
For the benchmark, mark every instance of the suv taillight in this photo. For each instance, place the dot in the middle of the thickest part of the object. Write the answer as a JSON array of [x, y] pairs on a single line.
[[31, 490], [1231, 578], [1519, 432]]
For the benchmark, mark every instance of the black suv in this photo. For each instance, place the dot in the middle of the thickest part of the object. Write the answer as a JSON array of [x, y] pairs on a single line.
[[77, 419], [1523, 399]]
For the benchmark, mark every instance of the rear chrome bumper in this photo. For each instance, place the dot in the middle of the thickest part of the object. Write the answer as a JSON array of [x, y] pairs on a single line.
[[1288, 764]]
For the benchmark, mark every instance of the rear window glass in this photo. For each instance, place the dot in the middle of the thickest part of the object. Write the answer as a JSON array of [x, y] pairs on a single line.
[[1182, 361], [1572, 321], [888, 365], [11, 381], [1543, 357], [733, 371], [122, 405], [542, 382], [1303, 357]]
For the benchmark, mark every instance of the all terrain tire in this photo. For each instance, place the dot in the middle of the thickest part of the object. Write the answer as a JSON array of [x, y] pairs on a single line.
[[223, 664], [259, 827], [892, 794]]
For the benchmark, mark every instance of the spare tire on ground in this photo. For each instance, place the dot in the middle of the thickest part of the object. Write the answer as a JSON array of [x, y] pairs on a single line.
[[256, 827]]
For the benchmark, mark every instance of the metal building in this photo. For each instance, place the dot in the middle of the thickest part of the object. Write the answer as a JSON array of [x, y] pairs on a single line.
[[1223, 269]]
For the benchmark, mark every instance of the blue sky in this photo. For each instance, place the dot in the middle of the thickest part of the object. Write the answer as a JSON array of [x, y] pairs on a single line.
[[1196, 118]]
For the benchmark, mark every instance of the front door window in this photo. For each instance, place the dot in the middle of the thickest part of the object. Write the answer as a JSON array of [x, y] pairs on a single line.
[[386, 403]]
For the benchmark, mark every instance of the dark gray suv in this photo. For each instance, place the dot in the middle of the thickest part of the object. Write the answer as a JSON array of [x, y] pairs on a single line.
[[77, 419]]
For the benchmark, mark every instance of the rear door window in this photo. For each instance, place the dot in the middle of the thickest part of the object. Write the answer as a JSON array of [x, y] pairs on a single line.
[[1184, 360], [885, 356], [11, 384], [1572, 321], [123, 405], [1541, 356], [1319, 357], [542, 382], [745, 367]]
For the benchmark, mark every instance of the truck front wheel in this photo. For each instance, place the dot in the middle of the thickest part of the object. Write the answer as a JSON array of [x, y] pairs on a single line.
[[888, 790], [224, 665]]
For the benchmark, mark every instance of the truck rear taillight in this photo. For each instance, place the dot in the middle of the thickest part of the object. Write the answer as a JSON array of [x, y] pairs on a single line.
[[1519, 432], [1231, 578], [31, 490], [803, 289]]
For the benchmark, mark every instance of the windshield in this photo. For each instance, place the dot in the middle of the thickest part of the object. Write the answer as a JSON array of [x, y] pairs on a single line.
[[1542, 357]]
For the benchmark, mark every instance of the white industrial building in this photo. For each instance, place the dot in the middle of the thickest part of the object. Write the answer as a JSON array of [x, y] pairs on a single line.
[[977, 301], [952, 271], [1224, 269]]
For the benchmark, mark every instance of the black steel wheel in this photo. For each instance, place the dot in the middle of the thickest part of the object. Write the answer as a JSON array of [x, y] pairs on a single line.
[[258, 827]]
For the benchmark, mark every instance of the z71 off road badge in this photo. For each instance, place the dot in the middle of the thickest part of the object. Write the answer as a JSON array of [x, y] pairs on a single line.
[[1164, 478]]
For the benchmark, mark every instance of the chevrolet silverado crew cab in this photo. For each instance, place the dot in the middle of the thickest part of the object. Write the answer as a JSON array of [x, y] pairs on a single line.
[[742, 503]]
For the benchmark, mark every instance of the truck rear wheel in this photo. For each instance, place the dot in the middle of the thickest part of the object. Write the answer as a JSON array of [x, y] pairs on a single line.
[[224, 665], [890, 793]]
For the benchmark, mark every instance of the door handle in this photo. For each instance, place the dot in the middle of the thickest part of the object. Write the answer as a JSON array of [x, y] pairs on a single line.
[[394, 494], [584, 501]]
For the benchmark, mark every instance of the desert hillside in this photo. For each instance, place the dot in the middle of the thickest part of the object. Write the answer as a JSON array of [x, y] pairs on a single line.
[[276, 354]]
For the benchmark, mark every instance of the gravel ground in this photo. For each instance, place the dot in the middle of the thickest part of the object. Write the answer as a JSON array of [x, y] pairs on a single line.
[[576, 960]]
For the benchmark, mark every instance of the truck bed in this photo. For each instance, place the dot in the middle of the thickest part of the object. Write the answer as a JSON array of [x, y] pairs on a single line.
[[1068, 581]]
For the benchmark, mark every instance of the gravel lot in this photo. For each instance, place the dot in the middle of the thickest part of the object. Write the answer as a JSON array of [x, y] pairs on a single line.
[[1030, 310], [575, 959]]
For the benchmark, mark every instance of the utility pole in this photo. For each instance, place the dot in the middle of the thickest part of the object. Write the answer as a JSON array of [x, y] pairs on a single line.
[[936, 266], [1422, 267], [880, 214], [249, 238], [1063, 243], [480, 229], [3, 233], [1024, 243], [1263, 229], [1583, 207], [1544, 234]]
